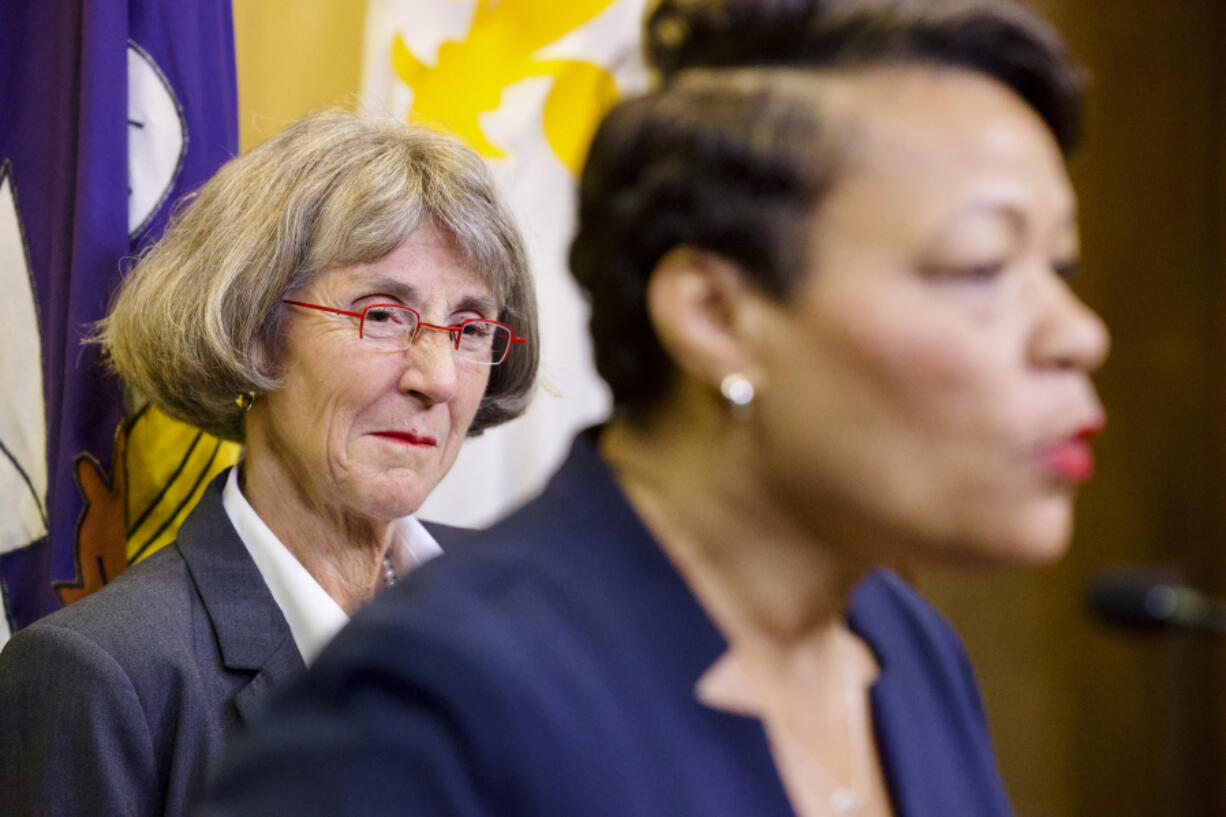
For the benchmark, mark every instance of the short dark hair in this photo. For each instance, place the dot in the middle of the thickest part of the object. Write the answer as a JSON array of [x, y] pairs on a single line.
[[730, 152]]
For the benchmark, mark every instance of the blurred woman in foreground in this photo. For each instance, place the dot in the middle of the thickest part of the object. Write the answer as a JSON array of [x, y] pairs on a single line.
[[345, 300], [828, 261]]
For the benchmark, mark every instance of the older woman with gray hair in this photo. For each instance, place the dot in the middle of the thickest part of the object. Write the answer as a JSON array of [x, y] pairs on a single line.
[[350, 300]]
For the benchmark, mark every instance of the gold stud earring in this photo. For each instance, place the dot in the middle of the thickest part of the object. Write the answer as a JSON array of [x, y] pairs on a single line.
[[244, 400]]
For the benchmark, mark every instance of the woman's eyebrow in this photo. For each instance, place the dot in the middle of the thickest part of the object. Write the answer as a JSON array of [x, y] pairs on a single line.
[[409, 294], [393, 286], [481, 304], [1012, 212]]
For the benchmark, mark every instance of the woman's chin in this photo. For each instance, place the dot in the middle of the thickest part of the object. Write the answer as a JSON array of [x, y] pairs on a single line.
[[388, 499], [1038, 539], [1041, 553], [1035, 539], [1050, 533]]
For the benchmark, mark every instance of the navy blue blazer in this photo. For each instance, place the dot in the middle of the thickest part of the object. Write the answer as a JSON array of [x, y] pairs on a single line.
[[119, 704], [549, 670]]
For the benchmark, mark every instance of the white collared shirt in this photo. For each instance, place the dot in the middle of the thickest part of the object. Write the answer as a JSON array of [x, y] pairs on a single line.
[[314, 617]]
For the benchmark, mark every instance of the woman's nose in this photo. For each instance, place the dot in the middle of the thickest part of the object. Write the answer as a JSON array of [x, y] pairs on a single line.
[[1070, 334], [430, 367]]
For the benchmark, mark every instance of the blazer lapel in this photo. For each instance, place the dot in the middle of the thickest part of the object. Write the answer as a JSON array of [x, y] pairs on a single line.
[[253, 637], [252, 634], [283, 664]]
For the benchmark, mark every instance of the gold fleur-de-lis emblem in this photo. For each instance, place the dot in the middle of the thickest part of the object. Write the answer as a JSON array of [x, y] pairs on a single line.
[[499, 50]]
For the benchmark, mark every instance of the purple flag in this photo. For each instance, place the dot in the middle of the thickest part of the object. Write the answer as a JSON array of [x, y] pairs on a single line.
[[110, 110]]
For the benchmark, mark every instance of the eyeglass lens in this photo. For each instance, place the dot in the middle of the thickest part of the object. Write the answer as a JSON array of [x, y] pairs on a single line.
[[393, 328]]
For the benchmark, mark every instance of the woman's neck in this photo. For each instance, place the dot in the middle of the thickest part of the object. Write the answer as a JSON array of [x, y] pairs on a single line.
[[342, 553], [760, 574]]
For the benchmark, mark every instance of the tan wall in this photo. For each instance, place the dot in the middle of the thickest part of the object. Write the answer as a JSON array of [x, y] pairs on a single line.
[[294, 56]]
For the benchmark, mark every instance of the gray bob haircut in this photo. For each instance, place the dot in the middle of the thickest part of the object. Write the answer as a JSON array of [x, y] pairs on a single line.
[[194, 324]]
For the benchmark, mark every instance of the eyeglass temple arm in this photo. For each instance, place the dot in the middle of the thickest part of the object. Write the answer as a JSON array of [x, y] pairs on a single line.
[[322, 308]]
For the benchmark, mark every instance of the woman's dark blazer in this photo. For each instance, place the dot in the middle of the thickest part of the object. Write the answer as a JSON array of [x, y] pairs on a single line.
[[548, 670], [119, 704]]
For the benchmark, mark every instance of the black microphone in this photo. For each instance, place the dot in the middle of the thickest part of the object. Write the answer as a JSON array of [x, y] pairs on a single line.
[[1133, 601]]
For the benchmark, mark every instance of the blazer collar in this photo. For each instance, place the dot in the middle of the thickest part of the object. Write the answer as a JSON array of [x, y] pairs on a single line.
[[251, 631], [621, 556]]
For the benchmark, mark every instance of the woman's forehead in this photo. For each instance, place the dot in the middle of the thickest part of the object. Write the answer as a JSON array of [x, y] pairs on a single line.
[[423, 269], [945, 141]]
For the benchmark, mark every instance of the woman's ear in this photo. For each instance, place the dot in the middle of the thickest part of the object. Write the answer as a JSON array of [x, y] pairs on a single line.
[[700, 304]]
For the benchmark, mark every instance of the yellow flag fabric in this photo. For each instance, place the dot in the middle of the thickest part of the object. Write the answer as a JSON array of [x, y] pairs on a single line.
[[522, 82], [160, 468]]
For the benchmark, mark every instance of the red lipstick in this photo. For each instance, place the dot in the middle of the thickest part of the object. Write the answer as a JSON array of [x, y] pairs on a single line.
[[408, 438], [1071, 458]]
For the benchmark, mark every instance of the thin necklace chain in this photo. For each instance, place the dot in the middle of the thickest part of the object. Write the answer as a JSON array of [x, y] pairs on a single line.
[[844, 801]]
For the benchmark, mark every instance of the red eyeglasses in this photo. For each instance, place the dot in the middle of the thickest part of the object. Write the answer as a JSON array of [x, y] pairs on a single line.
[[393, 328]]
